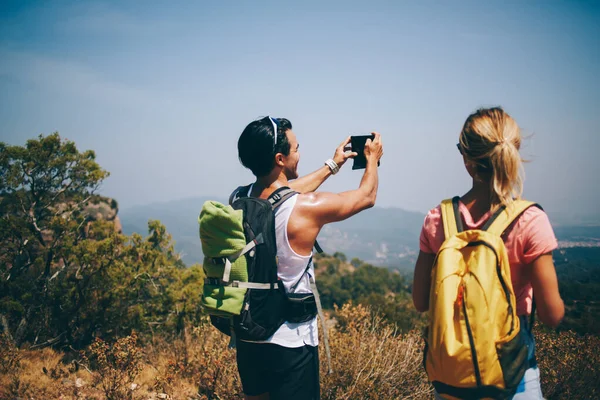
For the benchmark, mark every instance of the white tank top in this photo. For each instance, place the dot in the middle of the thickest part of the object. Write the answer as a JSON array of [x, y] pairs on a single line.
[[291, 270]]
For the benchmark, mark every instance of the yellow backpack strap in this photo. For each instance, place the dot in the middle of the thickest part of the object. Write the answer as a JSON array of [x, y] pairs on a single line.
[[505, 216], [451, 217]]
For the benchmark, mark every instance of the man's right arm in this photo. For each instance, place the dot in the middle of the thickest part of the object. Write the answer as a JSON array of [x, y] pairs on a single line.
[[324, 208], [313, 210]]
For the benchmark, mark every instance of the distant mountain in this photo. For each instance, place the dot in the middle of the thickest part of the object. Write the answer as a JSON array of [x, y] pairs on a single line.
[[380, 236], [180, 218]]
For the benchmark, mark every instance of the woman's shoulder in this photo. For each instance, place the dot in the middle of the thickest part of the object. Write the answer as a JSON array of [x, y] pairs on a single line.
[[533, 217], [534, 232], [431, 233], [433, 218], [434, 213]]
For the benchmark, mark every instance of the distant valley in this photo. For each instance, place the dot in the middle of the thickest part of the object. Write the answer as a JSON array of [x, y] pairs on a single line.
[[380, 236]]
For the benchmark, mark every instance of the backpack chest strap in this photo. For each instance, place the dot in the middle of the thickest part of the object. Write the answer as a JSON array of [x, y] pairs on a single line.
[[239, 284]]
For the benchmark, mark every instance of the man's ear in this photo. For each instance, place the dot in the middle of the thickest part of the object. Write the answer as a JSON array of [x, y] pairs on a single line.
[[279, 159]]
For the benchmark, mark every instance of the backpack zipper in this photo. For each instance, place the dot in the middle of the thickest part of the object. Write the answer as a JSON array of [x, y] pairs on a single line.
[[507, 293], [472, 342]]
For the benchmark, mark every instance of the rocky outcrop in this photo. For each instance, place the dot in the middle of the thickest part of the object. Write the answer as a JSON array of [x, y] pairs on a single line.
[[103, 208], [97, 208]]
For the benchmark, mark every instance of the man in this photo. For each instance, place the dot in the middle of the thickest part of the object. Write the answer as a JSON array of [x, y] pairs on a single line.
[[286, 365]]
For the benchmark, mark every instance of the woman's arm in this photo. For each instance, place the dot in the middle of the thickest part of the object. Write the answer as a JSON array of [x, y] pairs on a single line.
[[550, 306], [422, 281], [311, 182]]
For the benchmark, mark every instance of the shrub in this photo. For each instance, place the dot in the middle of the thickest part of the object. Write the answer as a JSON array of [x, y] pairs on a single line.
[[117, 365], [371, 361], [203, 358], [569, 364], [10, 357]]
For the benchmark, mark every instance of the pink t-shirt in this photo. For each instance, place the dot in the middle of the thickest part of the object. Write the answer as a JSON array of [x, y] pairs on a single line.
[[529, 237]]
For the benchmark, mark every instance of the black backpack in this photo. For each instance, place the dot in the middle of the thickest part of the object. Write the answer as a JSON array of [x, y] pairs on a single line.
[[266, 304]]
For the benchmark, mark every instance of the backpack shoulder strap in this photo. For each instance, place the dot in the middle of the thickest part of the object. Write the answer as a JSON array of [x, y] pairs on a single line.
[[505, 216], [318, 248], [278, 197], [241, 191], [451, 217]]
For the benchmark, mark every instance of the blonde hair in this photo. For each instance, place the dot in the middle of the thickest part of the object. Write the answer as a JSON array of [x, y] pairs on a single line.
[[491, 139]]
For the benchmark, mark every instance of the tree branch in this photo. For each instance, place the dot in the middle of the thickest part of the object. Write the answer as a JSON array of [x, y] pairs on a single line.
[[149, 278], [48, 342], [6, 328]]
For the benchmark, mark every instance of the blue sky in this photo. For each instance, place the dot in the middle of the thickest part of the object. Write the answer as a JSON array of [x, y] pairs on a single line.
[[162, 90]]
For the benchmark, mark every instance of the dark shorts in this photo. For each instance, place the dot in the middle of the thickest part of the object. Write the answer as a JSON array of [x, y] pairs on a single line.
[[286, 373]]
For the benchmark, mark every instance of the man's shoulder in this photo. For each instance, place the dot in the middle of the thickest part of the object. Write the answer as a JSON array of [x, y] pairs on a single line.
[[240, 191], [307, 198], [313, 203]]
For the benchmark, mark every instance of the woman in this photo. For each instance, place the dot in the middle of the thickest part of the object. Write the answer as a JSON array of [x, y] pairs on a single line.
[[489, 143]]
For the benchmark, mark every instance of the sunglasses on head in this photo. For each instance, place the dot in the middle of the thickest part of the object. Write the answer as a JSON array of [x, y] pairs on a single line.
[[459, 147], [275, 123]]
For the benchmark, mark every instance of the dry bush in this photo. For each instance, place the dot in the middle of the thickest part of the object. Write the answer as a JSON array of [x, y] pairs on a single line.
[[201, 359], [10, 357], [198, 366], [370, 361], [569, 364], [11, 384], [117, 365]]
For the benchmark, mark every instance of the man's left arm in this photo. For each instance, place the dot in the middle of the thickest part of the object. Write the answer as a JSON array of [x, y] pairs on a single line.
[[311, 182]]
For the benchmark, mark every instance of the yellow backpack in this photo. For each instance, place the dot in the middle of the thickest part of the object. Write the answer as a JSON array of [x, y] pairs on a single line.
[[474, 347]]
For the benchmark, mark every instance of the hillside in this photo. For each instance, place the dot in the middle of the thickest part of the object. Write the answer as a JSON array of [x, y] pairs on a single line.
[[578, 271]]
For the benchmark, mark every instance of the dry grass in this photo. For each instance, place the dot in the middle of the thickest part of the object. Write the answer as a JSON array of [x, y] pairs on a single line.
[[42, 374], [369, 362], [569, 364]]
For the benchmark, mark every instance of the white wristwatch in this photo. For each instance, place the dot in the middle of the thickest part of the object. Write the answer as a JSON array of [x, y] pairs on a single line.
[[332, 166]]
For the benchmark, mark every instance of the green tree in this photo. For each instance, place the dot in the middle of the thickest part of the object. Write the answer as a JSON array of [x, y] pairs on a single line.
[[43, 188], [152, 291], [66, 278], [340, 256]]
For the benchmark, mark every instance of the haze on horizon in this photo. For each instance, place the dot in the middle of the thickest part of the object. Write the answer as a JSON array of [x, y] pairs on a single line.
[[161, 91]]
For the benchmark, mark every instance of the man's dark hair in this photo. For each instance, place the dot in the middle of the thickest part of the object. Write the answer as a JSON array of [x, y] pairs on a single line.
[[256, 145]]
